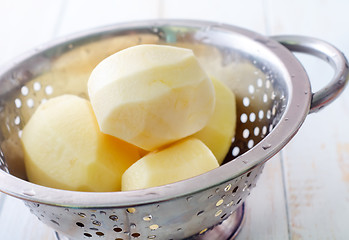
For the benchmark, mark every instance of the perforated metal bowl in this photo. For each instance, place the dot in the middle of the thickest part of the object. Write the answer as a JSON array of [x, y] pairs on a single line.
[[273, 99]]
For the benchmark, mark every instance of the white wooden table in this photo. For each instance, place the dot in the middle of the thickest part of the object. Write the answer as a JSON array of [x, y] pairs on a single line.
[[303, 192]]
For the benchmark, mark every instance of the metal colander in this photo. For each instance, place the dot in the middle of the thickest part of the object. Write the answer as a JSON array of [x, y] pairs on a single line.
[[273, 99]]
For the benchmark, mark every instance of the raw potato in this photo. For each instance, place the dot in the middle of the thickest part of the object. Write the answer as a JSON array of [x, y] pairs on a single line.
[[184, 159], [220, 130], [151, 95], [64, 148]]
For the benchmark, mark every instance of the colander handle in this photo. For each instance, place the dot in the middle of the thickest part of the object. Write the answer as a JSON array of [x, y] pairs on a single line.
[[331, 55]]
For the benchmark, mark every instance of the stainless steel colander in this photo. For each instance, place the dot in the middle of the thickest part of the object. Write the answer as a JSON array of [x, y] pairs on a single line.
[[273, 99]]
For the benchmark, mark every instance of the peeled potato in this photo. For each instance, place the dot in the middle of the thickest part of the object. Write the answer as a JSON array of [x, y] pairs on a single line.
[[64, 148], [151, 95], [220, 130], [184, 159]]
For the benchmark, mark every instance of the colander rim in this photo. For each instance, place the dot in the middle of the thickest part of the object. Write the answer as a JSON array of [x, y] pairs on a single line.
[[297, 109]]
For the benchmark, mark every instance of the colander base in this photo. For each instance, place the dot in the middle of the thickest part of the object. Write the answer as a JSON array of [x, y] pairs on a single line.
[[227, 230]]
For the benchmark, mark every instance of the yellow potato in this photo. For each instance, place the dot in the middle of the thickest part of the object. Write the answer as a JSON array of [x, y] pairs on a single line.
[[64, 148], [220, 130], [151, 95], [184, 159]]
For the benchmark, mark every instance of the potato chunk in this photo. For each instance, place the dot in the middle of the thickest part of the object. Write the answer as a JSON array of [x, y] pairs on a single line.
[[151, 95], [181, 160], [65, 149], [220, 130]]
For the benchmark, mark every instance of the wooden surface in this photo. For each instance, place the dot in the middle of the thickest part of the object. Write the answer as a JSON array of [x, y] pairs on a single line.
[[303, 192]]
